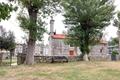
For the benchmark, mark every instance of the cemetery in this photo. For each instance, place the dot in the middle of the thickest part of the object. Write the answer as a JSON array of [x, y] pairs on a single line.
[[59, 39]]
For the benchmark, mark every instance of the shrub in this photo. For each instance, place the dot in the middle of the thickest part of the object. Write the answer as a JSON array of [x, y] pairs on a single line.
[[114, 53]]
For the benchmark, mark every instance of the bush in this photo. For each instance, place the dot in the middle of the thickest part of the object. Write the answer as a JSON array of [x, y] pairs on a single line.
[[114, 53]]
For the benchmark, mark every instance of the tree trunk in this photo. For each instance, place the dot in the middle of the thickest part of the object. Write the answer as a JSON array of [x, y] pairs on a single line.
[[1, 56], [11, 54], [30, 52], [85, 57], [32, 10]]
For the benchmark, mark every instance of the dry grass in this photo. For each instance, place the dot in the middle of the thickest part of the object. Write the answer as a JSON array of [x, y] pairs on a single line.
[[63, 71]]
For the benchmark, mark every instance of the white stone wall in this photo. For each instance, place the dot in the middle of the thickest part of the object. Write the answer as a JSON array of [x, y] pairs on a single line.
[[39, 49], [100, 52], [18, 49], [21, 48], [59, 48], [101, 49]]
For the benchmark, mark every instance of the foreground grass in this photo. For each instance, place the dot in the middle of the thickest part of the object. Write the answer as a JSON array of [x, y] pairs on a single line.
[[6, 62], [63, 71]]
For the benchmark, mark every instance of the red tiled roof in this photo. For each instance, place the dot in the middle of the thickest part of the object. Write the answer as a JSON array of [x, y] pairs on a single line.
[[58, 36]]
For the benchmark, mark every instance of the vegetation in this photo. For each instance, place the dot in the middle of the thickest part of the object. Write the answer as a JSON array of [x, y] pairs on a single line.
[[85, 20], [33, 21], [117, 24], [114, 41], [5, 10], [114, 53], [64, 71], [117, 21], [7, 40]]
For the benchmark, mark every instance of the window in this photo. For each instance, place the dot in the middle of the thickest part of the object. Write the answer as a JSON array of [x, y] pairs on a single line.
[[71, 53], [101, 50]]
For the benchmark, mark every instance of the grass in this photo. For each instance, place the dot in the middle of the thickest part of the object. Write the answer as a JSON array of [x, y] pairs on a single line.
[[6, 62], [63, 71], [2, 72]]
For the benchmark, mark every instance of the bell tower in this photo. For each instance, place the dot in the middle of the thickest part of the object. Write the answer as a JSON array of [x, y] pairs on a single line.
[[52, 26], [50, 36]]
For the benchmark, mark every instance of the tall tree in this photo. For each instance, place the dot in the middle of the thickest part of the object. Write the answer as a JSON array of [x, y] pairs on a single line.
[[86, 19], [33, 22], [5, 13], [117, 24]]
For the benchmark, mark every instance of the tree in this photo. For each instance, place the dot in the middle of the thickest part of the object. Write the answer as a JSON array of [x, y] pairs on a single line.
[[33, 22], [5, 10], [114, 41], [3, 39], [117, 21], [86, 19], [117, 24], [11, 44], [7, 40]]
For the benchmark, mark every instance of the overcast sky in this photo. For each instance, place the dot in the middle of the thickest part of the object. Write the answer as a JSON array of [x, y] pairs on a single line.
[[12, 24]]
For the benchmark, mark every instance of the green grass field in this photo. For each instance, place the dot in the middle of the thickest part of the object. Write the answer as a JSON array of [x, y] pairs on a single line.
[[63, 71]]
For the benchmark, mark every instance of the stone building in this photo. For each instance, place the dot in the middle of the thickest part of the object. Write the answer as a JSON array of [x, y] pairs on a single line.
[[59, 48], [57, 45], [22, 48], [100, 51]]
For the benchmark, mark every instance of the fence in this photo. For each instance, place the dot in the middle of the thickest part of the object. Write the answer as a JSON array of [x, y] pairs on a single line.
[[50, 59], [6, 59]]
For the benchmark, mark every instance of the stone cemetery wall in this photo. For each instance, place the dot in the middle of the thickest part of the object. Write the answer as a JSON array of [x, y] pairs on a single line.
[[100, 58], [100, 53], [50, 59]]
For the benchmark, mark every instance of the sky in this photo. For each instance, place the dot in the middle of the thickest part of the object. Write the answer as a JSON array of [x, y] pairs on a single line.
[[13, 25]]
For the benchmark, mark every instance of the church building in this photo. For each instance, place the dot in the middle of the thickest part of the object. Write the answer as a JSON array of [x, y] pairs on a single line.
[[57, 46]]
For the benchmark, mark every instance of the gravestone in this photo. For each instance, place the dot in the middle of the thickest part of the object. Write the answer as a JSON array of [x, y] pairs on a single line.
[[21, 58]]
